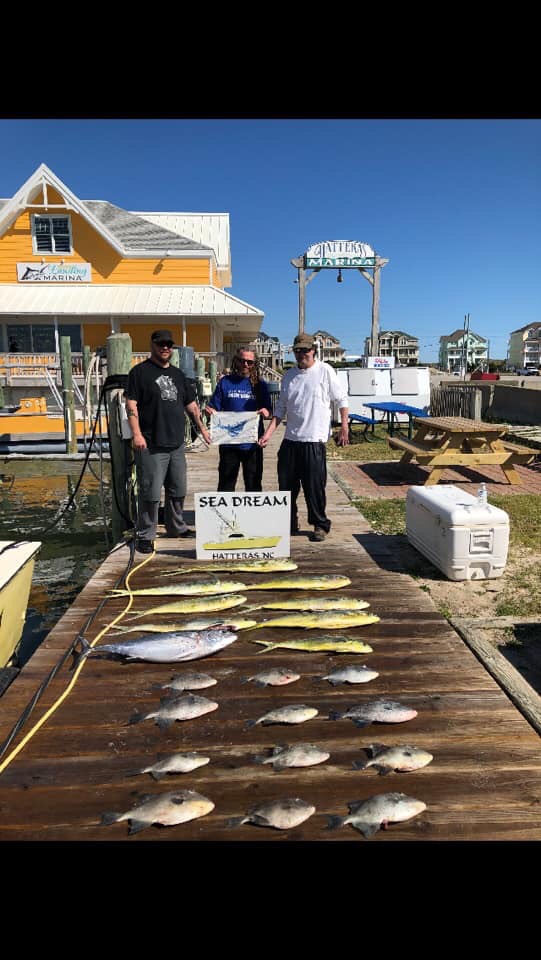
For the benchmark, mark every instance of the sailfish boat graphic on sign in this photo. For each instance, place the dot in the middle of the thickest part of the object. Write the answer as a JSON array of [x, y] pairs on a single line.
[[234, 538]]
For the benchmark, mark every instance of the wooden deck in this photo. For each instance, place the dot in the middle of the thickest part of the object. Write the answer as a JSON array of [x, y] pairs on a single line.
[[484, 782]]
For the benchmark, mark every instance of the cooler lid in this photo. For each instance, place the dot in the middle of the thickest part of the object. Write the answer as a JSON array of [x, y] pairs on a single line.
[[455, 507]]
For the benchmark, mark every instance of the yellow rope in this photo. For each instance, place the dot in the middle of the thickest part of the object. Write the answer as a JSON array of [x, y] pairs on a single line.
[[77, 671]]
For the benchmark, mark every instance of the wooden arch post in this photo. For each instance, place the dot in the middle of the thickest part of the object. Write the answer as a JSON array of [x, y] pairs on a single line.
[[370, 269]]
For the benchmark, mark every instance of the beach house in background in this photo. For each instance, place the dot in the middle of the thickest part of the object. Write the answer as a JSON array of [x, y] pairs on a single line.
[[463, 349], [525, 348], [329, 347], [269, 350], [88, 268], [395, 343]]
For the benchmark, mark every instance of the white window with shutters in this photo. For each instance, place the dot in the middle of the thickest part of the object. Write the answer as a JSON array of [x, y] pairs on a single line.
[[51, 234]]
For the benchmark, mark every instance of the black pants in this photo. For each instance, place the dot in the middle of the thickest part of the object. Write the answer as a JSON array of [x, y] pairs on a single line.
[[231, 458], [306, 464]]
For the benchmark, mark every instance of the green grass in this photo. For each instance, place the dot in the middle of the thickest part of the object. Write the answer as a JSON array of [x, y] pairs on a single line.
[[384, 516], [364, 450]]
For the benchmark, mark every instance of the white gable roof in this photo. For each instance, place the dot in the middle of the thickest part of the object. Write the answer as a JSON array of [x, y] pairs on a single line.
[[208, 229]]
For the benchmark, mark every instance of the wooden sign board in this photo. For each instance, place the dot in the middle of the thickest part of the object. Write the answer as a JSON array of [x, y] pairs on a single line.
[[242, 526]]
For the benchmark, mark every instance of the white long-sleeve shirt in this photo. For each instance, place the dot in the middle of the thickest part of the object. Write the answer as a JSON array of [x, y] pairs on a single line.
[[305, 399]]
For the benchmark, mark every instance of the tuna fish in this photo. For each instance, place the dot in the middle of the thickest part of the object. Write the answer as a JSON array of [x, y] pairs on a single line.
[[232, 623], [166, 809], [350, 675], [274, 677], [175, 763], [189, 680], [166, 647], [186, 707], [331, 581], [321, 621], [375, 711], [403, 758], [280, 814], [195, 605], [321, 644], [292, 713], [300, 755], [368, 816], [250, 566], [199, 588]]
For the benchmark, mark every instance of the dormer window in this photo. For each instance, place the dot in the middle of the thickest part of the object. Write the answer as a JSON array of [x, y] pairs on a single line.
[[51, 234]]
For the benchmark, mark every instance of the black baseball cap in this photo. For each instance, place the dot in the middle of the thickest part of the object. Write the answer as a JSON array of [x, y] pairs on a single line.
[[162, 335]]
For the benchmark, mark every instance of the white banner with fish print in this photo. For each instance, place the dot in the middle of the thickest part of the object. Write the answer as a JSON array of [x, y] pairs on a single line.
[[241, 526], [228, 427]]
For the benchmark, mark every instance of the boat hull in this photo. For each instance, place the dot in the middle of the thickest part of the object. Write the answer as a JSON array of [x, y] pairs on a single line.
[[16, 569]]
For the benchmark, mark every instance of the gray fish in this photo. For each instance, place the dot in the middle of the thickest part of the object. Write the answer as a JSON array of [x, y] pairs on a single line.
[[375, 711], [189, 680], [368, 816], [403, 758], [166, 647], [293, 713], [299, 755], [175, 763], [350, 675], [186, 707], [280, 814], [273, 677], [166, 809]]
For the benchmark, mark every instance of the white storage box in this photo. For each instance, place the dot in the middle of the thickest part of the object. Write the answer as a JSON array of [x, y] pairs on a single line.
[[466, 540]]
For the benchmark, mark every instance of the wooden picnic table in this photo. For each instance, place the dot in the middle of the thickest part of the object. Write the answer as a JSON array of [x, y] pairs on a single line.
[[441, 442]]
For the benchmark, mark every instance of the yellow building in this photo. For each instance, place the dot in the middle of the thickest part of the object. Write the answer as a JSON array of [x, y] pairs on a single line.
[[87, 268]]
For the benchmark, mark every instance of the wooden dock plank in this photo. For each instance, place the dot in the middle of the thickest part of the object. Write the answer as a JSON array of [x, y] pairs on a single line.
[[483, 784]]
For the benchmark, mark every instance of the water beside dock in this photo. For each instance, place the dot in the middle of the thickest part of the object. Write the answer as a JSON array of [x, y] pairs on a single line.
[[31, 495]]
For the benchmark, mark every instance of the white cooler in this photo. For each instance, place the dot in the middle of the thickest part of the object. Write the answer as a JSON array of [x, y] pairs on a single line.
[[466, 540]]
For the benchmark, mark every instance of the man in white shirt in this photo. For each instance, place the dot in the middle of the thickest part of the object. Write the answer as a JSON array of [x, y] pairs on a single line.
[[305, 399]]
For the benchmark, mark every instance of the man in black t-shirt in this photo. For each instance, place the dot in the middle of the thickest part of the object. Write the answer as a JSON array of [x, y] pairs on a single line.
[[157, 394]]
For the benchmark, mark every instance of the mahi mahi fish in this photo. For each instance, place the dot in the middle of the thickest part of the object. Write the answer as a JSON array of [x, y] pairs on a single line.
[[175, 763], [292, 713], [321, 621], [186, 707], [166, 647], [331, 581], [199, 588], [249, 566], [403, 758], [167, 809], [280, 814], [312, 603], [299, 755], [195, 605], [232, 623], [368, 816], [375, 711], [321, 644]]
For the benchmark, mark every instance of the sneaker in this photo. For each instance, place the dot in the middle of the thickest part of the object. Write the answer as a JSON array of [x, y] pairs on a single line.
[[188, 532], [319, 534], [144, 546]]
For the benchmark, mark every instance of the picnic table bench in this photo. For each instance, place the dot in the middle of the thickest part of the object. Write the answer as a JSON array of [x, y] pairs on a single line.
[[442, 442]]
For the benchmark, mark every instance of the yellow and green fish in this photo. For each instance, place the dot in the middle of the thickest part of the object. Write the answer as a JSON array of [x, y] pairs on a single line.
[[196, 605], [311, 603], [231, 622], [197, 589], [250, 566], [321, 621], [320, 645], [331, 581]]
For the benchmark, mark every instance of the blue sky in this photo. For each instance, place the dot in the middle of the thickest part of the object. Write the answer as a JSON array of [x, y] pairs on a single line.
[[454, 205]]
